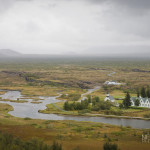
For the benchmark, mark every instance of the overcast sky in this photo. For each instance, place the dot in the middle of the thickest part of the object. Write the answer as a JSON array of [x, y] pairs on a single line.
[[75, 26]]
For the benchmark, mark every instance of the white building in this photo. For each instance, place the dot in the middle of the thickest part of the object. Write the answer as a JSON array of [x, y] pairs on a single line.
[[143, 102], [112, 83], [109, 98]]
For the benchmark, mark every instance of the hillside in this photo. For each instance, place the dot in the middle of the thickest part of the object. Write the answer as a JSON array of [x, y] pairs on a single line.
[[8, 53]]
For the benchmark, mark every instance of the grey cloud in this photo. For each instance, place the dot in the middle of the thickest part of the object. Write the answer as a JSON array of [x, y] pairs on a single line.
[[5, 4], [138, 4], [127, 16], [135, 4], [79, 26]]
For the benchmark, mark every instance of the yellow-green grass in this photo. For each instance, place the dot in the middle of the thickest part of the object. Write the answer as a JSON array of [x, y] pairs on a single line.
[[36, 102], [132, 112], [16, 101], [51, 109], [2, 92], [73, 91], [33, 98], [5, 108], [35, 91], [117, 94], [31, 91], [94, 72]]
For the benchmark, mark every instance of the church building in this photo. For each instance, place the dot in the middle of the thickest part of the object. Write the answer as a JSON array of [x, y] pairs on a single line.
[[109, 97]]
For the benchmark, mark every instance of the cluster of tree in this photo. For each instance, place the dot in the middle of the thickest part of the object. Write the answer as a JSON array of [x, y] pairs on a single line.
[[127, 100], [93, 100], [76, 105], [97, 104], [72, 97], [143, 92], [8, 142]]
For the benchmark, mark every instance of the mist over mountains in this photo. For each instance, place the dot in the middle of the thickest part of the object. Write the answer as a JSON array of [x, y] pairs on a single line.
[[9, 53]]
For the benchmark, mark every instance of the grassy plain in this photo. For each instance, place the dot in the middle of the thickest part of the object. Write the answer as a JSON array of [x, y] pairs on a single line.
[[49, 77]]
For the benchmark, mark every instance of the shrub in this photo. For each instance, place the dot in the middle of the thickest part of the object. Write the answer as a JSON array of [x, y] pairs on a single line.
[[118, 133], [110, 146], [84, 111], [27, 118], [113, 112], [102, 105], [147, 115], [8, 142], [121, 106], [105, 135], [77, 148]]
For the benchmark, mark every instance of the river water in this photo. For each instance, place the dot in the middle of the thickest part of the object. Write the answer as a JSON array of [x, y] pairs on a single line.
[[30, 110]]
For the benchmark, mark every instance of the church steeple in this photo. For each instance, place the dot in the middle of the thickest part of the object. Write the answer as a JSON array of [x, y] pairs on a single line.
[[107, 94]]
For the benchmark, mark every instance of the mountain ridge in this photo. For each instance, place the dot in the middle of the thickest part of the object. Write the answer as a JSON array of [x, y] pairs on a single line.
[[9, 53]]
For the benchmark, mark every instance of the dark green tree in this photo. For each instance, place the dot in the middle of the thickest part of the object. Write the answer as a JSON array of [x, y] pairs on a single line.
[[120, 106], [138, 93], [148, 93], [97, 99], [66, 105], [143, 92], [56, 146], [127, 101], [137, 102]]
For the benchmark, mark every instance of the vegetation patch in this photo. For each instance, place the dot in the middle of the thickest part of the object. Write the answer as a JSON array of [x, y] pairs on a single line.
[[16, 101], [71, 97], [8, 142], [36, 102]]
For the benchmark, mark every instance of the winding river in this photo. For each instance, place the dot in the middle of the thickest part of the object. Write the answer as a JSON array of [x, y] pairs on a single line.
[[30, 110]]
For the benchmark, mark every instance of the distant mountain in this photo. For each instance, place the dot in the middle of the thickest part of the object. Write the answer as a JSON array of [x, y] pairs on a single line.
[[9, 53]]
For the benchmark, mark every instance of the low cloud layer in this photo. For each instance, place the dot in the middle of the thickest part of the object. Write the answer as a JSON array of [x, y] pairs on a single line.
[[75, 26]]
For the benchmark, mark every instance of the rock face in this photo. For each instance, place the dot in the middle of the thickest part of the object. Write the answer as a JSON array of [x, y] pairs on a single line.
[[138, 70], [8, 53]]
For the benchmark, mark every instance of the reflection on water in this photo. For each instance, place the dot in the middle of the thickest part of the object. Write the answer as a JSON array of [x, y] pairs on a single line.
[[28, 109]]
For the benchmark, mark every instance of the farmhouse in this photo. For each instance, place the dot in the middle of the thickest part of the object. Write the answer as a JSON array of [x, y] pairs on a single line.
[[109, 97], [143, 102]]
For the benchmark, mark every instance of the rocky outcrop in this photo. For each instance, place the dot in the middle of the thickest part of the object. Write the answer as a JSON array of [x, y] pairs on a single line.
[[138, 70]]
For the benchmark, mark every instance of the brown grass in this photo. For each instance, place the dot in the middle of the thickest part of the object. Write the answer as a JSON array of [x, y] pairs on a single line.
[[86, 135]]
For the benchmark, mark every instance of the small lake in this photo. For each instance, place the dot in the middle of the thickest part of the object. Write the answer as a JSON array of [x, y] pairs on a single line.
[[30, 110]]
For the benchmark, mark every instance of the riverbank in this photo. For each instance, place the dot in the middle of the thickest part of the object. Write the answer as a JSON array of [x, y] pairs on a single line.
[[31, 110], [58, 109]]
